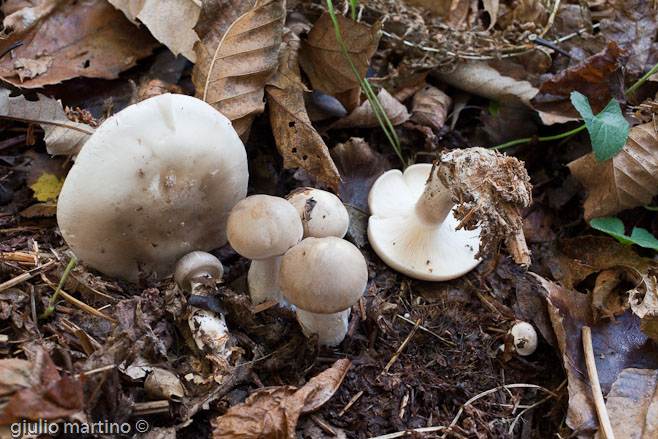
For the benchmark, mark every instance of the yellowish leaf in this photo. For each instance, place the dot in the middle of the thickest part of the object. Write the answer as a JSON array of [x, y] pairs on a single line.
[[47, 187]]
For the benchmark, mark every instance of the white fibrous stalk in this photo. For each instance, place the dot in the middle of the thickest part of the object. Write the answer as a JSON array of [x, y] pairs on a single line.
[[330, 328], [263, 280]]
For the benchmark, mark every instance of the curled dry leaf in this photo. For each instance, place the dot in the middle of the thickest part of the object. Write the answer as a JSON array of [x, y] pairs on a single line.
[[273, 412], [627, 180], [430, 107], [491, 6], [89, 38], [632, 404], [62, 136], [171, 22], [490, 189], [296, 139], [161, 383], [480, 79], [323, 60], [48, 396], [236, 56], [594, 77], [364, 116]]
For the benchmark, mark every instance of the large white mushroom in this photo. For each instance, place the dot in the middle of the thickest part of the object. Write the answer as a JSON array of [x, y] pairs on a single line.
[[154, 182], [412, 229]]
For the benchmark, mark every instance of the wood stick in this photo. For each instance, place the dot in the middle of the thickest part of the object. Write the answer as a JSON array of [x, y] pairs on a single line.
[[599, 402]]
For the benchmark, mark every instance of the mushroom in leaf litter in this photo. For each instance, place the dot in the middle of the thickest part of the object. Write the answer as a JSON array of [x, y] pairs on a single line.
[[524, 338], [322, 213], [154, 182], [323, 278], [209, 329], [262, 228], [434, 222]]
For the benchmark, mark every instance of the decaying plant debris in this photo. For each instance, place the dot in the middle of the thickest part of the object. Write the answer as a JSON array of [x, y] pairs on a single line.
[[420, 359]]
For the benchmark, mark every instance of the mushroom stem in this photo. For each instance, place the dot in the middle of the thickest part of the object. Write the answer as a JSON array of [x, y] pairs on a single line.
[[263, 280], [209, 329], [330, 328], [434, 204]]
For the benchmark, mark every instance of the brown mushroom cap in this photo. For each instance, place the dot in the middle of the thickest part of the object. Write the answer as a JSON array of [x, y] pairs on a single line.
[[196, 264], [261, 226], [323, 275], [154, 182]]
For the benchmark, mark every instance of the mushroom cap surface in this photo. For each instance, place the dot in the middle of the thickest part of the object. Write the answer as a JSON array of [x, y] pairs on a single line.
[[154, 182], [404, 243], [263, 226], [196, 264], [322, 213], [525, 338], [323, 275]]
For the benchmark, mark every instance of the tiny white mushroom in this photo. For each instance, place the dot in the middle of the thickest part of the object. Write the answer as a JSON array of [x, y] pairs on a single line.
[[525, 338], [263, 228], [322, 213], [154, 182], [323, 278], [411, 227], [209, 329]]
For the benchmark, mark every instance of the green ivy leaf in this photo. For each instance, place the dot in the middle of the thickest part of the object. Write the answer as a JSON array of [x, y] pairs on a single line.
[[608, 130], [615, 228]]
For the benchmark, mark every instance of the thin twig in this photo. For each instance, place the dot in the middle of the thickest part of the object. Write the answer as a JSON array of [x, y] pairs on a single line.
[[27, 275], [599, 402], [551, 18], [401, 348], [350, 403]]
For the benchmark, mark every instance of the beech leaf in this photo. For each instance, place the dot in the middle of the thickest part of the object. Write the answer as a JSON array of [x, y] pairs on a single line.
[[171, 22], [323, 60], [296, 139], [627, 180], [632, 404], [615, 228], [68, 39], [608, 130], [364, 117], [236, 58], [62, 136]]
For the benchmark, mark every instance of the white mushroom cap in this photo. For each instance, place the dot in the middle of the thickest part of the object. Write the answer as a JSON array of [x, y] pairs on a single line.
[[197, 264], [154, 182], [262, 226], [323, 275], [525, 338], [405, 240], [322, 213]]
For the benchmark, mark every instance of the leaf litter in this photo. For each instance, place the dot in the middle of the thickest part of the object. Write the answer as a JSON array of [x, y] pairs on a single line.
[[431, 357]]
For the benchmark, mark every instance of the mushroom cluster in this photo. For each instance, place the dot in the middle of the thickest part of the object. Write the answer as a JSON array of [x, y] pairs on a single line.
[[154, 182], [299, 257]]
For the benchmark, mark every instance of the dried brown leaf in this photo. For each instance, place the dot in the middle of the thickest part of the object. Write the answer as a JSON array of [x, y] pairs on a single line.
[[594, 77], [436, 7], [632, 404], [89, 38], [272, 413], [364, 116], [237, 54], [50, 396], [15, 374], [296, 139], [323, 60], [62, 136], [430, 107], [480, 79], [492, 7], [171, 22], [627, 180]]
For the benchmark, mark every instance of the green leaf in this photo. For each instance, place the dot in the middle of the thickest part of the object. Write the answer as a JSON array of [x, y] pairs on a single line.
[[615, 228], [608, 130]]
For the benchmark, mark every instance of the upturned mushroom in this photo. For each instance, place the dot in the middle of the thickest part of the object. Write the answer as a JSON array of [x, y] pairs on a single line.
[[209, 329], [411, 227], [262, 228], [322, 213], [154, 182], [323, 278]]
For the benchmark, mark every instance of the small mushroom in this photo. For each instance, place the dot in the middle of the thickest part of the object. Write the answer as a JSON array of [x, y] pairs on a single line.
[[323, 278], [154, 182], [412, 229], [322, 213], [209, 329], [262, 228], [525, 338]]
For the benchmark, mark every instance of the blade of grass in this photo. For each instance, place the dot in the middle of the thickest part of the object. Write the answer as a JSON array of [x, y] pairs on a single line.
[[380, 114], [53, 299], [353, 4]]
